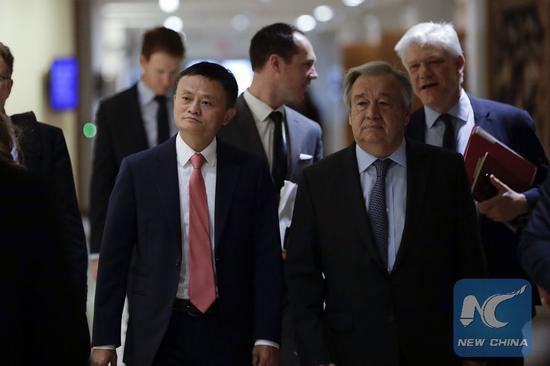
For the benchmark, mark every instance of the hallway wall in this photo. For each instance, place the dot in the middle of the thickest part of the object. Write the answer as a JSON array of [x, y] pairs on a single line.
[[37, 31]]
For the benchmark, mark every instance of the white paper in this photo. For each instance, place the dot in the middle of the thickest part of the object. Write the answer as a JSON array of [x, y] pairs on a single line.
[[286, 207]]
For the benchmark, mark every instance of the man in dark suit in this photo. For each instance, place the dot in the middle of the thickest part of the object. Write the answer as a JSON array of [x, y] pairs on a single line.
[[381, 232], [202, 270], [133, 120], [41, 149], [432, 55], [283, 60], [534, 248], [41, 318]]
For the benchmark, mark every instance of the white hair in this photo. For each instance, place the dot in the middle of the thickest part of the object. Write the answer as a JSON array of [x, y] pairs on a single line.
[[430, 33]]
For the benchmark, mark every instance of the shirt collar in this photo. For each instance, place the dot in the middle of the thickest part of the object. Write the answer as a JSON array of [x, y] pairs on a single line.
[[260, 110], [14, 153], [365, 160], [461, 110], [184, 152], [146, 95]]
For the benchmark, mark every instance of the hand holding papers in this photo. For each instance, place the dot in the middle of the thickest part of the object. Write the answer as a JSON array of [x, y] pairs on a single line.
[[485, 155]]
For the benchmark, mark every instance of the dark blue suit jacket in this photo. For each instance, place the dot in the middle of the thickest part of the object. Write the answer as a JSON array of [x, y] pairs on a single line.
[[534, 249], [120, 132], [46, 157], [304, 136], [141, 253], [514, 127]]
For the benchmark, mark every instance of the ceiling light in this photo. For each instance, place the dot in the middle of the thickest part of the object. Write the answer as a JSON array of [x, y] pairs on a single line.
[[169, 6], [323, 13], [240, 22], [174, 23], [352, 2], [305, 23]]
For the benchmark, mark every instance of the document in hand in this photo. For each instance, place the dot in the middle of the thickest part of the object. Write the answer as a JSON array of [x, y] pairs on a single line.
[[485, 155]]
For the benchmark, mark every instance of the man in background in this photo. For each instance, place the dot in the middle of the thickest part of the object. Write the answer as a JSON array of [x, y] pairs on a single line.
[[133, 120], [434, 59], [283, 61]]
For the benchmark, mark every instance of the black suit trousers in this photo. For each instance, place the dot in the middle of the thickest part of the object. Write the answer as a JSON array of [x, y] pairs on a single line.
[[195, 340]]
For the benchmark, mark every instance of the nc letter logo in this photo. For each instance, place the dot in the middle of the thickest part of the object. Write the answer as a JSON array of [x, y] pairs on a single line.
[[487, 310], [492, 317]]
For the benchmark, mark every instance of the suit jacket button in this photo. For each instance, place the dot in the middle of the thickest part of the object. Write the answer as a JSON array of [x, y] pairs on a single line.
[[390, 318]]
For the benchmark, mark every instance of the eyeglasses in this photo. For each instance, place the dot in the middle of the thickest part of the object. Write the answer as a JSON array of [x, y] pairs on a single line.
[[4, 78]]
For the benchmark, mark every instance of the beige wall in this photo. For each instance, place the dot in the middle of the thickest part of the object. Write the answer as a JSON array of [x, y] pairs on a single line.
[[37, 31]]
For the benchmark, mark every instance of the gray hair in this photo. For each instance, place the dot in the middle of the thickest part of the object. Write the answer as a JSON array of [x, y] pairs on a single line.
[[430, 33], [375, 68]]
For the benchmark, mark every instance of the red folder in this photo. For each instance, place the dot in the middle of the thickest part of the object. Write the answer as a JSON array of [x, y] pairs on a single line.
[[490, 156]]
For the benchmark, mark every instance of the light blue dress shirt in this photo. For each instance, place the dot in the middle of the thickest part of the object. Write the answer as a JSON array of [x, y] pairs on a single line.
[[396, 193], [149, 108], [463, 120]]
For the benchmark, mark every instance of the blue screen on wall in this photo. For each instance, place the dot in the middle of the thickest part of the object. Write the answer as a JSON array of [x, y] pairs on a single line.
[[64, 84]]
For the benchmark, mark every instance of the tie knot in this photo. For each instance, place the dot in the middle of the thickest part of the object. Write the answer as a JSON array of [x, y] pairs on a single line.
[[160, 99], [197, 160], [446, 119], [276, 117], [381, 167]]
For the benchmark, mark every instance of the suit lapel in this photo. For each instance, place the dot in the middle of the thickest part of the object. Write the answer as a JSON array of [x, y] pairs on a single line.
[[31, 142], [227, 175], [352, 198], [294, 138], [418, 170], [247, 128], [481, 114], [168, 185], [136, 119], [417, 127]]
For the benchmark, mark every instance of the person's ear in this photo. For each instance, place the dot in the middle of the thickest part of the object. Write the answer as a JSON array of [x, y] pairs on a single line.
[[460, 61], [275, 62]]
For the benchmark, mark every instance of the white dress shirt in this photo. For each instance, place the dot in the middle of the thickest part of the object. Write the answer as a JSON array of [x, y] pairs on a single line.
[[463, 119], [396, 193], [264, 125], [183, 156], [149, 108]]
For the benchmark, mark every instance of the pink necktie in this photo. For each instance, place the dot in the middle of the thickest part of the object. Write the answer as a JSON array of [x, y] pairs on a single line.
[[202, 291]]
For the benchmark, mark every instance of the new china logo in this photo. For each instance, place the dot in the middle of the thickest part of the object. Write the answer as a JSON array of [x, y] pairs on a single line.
[[492, 318]]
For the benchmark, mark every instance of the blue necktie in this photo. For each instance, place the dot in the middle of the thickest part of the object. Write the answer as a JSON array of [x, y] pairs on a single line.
[[377, 209]]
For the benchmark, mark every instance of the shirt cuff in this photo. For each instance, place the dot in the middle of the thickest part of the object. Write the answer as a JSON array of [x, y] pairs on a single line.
[[93, 256], [264, 342], [111, 347]]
